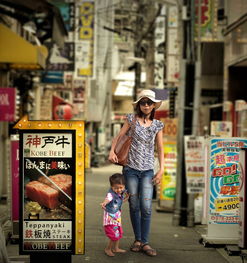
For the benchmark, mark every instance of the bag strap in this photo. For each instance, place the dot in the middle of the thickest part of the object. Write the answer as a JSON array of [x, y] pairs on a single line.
[[133, 122]]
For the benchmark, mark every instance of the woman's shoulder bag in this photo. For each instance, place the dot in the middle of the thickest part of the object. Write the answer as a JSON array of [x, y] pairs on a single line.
[[123, 145]]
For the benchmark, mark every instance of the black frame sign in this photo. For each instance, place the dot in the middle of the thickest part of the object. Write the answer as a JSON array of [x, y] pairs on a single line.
[[47, 191]]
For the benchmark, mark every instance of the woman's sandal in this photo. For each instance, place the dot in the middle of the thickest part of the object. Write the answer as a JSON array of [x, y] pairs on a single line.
[[148, 251], [136, 246]]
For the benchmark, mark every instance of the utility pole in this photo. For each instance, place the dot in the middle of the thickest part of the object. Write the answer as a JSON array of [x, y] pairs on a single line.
[[180, 134], [196, 104]]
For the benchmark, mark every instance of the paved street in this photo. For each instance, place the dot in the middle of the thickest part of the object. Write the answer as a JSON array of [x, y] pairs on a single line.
[[173, 244]]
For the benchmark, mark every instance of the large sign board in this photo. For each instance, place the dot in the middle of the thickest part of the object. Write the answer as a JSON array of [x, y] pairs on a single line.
[[51, 186], [223, 189], [47, 181]]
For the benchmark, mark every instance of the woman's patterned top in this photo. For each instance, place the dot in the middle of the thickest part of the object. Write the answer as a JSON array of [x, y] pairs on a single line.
[[141, 153]]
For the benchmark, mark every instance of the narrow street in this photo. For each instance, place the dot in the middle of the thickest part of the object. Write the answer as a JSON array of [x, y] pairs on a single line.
[[173, 244], [75, 77]]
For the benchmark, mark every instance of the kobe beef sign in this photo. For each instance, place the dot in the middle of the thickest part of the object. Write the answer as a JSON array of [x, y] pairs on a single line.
[[51, 186]]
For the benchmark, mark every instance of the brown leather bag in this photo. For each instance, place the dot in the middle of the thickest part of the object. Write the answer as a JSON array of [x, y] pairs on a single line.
[[122, 147]]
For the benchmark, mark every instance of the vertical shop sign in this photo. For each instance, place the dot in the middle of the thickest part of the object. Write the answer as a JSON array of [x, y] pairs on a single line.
[[194, 164], [85, 46], [160, 49], [223, 189], [168, 183], [7, 104], [208, 24], [51, 186], [173, 66]]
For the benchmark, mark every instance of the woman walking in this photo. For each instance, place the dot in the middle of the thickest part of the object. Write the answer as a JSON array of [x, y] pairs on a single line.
[[139, 171]]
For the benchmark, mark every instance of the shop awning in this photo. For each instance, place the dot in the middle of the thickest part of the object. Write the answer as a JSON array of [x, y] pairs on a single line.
[[49, 23], [19, 53]]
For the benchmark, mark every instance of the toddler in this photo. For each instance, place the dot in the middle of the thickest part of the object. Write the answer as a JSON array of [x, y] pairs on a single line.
[[112, 213]]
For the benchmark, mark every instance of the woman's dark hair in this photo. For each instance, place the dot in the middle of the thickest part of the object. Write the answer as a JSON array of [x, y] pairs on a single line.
[[116, 178], [140, 114]]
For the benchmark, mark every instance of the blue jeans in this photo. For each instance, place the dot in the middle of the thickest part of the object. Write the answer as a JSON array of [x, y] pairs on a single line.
[[140, 187]]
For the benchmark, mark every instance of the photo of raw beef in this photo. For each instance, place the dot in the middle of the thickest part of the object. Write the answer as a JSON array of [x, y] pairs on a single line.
[[63, 181], [47, 194], [43, 194]]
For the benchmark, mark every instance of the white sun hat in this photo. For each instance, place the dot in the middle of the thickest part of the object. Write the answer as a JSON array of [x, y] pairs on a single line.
[[147, 93]]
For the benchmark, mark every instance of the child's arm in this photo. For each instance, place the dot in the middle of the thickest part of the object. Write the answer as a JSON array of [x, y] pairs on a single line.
[[106, 201]]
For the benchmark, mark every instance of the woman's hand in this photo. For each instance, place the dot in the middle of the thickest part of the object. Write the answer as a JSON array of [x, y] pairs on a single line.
[[157, 178], [112, 157], [126, 197]]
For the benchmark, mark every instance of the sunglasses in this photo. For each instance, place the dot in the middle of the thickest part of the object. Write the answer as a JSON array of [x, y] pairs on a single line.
[[144, 102]]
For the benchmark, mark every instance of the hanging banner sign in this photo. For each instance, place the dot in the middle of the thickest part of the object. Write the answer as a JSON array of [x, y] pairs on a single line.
[[194, 163], [51, 186]]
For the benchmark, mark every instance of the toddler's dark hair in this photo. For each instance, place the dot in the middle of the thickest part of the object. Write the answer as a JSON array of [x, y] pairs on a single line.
[[116, 178]]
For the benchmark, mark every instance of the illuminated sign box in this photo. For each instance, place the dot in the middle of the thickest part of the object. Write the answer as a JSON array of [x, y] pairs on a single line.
[[51, 186]]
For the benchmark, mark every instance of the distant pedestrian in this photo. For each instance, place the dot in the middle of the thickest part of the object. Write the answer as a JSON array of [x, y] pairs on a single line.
[[139, 172], [112, 213]]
